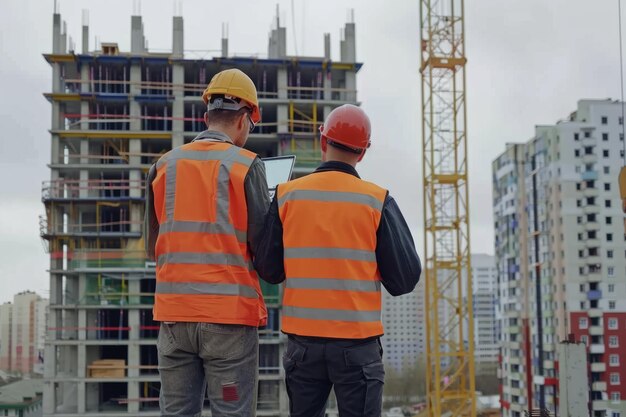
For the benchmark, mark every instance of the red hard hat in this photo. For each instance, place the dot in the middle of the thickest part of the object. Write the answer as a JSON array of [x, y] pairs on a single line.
[[348, 125]]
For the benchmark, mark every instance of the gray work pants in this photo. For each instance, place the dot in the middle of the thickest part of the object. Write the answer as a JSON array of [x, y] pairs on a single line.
[[313, 366], [219, 359]]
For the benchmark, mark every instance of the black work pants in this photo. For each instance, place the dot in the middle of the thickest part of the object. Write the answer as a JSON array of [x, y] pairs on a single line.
[[354, 367]]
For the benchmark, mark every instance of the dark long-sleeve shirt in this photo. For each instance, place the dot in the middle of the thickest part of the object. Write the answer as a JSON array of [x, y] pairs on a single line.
[[255, 188], [397, 259]]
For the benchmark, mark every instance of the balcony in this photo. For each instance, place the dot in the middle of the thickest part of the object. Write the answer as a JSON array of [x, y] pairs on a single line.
[[599, 405], [548, 364], [513, 330], [598, 386], [108, 229], [589, 176], [591, 209], [591, 192], [592, 243], [592, 260], [596, 330], [596, 348], [594, 295], [594, 275], [591, 226], [598, 367], [589, 158], [515, 391], [594, 312], [586, 142]]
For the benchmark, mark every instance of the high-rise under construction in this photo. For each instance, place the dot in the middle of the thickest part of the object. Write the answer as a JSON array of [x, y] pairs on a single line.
[[115, 113]]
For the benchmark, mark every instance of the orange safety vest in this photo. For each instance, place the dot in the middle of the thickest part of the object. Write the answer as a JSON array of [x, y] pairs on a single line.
[[332, 284], [204, 270]]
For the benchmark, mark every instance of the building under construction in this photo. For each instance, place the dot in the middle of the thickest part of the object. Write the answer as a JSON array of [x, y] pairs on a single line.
[[115, 113]]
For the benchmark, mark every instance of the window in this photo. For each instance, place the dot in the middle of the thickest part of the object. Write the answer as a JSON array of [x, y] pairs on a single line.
[[611, 287], [615, 414], [609, 253], [613, 341], [605, 136], [582, 287], [576, 153], [607, 186], [578, 203], [607, 170], [614, 378], [607, 203], [609, 237], [576, 136], [579, 219], [605, 153], [604, 120], [587, 134], [582, 323], [582, 305], [614, 360], [611, 271], [615, 396], [584, 339], [580, 236], [577, 184], [611, 305], [612, 323], [608, 220]]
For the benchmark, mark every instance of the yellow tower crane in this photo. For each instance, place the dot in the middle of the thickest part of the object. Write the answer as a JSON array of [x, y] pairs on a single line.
[[450, 385]]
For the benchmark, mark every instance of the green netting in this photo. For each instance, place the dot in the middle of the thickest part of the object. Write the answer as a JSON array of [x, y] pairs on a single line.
[[270, 292]]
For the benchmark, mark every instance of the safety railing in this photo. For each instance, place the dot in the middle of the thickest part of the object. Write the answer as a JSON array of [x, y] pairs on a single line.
[[101, 189], [105, 228]]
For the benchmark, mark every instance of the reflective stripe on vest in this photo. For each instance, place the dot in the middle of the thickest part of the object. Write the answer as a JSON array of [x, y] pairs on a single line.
[[332, 285], [205, 255]]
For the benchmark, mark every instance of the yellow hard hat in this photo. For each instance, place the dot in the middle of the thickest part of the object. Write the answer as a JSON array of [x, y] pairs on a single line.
[[234, 83]]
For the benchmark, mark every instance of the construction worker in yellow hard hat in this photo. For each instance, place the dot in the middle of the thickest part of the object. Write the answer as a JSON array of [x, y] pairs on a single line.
[[206, 201], [334, 239]]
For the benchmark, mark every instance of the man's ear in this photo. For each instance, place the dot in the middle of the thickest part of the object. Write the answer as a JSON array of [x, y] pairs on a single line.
[[206, 119], [324, 143]]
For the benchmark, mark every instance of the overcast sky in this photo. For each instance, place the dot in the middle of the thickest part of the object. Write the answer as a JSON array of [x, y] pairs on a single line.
[[529, 63]]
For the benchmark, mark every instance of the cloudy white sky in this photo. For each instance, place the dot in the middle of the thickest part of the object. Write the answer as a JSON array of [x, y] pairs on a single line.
[[529, 63]]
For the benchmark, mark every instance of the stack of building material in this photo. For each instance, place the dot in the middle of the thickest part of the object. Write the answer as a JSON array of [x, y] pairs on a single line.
[[107, 368]]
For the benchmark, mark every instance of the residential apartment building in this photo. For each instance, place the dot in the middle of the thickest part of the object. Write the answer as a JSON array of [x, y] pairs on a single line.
[[486, 329], [560, 252], [114, 113], [405, 329], [22, 334]]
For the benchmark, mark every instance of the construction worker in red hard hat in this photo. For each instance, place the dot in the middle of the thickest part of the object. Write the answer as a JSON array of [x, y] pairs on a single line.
[[206, 202], [334, 238]]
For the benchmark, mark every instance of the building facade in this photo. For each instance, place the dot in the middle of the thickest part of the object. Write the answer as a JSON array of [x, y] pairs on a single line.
[[559, 250], [486, 326], [22, 334], [115, 113]]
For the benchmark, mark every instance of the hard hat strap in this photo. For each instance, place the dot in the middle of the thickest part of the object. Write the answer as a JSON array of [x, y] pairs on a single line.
[[344, 147]]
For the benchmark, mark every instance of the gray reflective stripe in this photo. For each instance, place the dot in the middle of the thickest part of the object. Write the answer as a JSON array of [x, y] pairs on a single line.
[[223, 184], [328, 314], [333, 284], [203, 259], [205, 288], [202, 227], [332, 196], [330, 253], [170, 190], [231, 154]]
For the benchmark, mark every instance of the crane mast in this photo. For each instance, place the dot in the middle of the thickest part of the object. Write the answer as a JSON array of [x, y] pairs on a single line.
[[450, 381]]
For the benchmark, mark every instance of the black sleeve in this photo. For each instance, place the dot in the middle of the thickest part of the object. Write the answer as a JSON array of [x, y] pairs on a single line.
[[257, 200], [151, 223], [268, 261], [398, 262]]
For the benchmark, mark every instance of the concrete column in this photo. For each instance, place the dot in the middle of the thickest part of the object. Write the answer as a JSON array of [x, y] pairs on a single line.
[[85, 49], [133, 370], [178, 107], [178, 44], [224, 47], [63, 43], [137, 40], [349, 43], [84, 180], [327, 46], [81, 397], [56, 33]]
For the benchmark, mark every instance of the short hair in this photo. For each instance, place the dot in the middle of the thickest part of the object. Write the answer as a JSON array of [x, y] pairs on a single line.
[[225, 117]]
